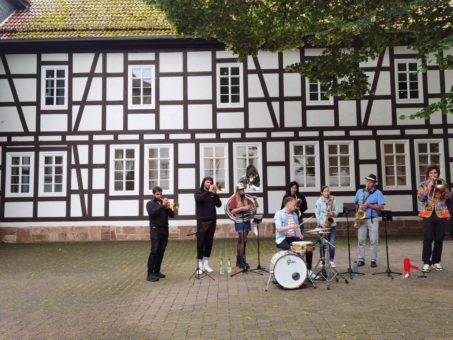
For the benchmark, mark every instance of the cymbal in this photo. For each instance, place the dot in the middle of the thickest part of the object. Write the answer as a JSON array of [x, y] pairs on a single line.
[[318, 231]]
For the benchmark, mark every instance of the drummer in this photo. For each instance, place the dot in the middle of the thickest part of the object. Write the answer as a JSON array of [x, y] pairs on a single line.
[[287, 229]]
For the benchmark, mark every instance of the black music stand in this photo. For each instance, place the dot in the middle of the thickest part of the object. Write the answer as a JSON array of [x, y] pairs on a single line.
[[196, 274], [349, 211], [387, 216], [257, 220]]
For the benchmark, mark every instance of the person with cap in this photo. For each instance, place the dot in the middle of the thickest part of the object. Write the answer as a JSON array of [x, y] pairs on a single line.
[[206, 201], [370, 200], [240, 204]]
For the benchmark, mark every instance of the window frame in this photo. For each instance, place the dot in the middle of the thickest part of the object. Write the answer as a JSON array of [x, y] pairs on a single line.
[[317, 165], [226, 155], [112, 191], [350, 144], [441, 156], [328, 101], [132, 106], [408, 185], [240, 104], [170, 190], [42, 155], [9, 156], [55, 68], [420, 98], [259, 166]]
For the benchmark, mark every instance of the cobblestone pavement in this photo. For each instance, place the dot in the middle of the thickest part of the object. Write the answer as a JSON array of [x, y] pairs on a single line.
[[99, 291]]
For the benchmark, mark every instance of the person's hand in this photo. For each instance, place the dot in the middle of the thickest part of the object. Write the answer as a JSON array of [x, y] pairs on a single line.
[[330, 214], [213, 188], [364, 206], [165, 202]]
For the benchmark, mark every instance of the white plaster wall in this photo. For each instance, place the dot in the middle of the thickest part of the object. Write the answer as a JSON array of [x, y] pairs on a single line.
[[171, 117], [291, 84], [225, 54], [274, 200], [141, 121], [123, 207], [276, 176], [199, 61], [95, 92], [54, 122], [275, 151], [91, 118], [381, 112], [18, 209], [141, 56], [365, 170], [407, 112], [82, 62], [186, 178], [74, 182], [293, 114], [54, 57], [115, 62], [10, 120], [187, 204], [259, 116], [398, 202], [115, 88], [448, 79], [98, 179], [97, 204], [22, 63], [230, 120], [199, 87], [313, 52], [200, 116], [2, 69], [6, 95], [291, 57], [347, 113], [170, 62], [383, 85], [320, 118], [114, 117], [76, 210], [26, 89], [83, 153], [52, 209], [254, 87], [30, 117], [78, 86], [98, 154], [268, 60], [171, 88], [367, 149], [186, 153], [433, 81], [402, 50], [271, 81]]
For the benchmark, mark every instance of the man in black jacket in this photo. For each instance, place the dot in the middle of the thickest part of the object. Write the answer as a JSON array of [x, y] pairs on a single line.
[[158, 211], [206, 201]]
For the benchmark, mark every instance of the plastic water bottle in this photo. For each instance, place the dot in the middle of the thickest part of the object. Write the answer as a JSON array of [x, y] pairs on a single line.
[[221, 268], [355, 268], [229, 266]]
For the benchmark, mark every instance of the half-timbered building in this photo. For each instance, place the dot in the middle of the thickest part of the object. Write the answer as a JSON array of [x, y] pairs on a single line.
[[100, 101]]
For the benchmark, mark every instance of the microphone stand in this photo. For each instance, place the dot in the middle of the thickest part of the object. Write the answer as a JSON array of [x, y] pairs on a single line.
[[196, 274], [346, 213]]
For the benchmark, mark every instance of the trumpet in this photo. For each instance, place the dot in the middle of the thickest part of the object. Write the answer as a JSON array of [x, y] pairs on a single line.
[[218, 187], [172, 205], [440, 184]]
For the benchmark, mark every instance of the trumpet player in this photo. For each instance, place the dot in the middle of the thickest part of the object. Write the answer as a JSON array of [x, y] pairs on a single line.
[[433, 194], [159, 211], [370, 200], [326, 210]]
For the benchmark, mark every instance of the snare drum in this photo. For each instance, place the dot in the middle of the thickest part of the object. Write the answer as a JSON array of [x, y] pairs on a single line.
[[302, 247], [288, 269]]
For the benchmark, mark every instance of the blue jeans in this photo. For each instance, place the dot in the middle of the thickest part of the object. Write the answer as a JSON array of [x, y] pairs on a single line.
[[368, 227], [331, 238]]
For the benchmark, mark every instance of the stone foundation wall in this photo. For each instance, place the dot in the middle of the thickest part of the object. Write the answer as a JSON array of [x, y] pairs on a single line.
[[401, 227]]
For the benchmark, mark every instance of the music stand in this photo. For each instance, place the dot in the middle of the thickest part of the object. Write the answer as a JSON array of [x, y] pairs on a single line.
[[387, 216], [349, 211]]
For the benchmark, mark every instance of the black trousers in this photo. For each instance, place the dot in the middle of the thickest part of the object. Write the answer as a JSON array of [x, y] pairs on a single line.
[[205, 238], [286, 245], [434, 230], [159, 240]]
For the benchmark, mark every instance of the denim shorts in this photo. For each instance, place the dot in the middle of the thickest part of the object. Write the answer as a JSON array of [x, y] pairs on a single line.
[[240, 227]]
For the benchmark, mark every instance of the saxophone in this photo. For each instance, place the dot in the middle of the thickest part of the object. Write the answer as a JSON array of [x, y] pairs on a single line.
[[360, 214], [329, 220]]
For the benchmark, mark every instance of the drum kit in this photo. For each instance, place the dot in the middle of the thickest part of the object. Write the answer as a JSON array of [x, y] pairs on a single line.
[[288, 267]]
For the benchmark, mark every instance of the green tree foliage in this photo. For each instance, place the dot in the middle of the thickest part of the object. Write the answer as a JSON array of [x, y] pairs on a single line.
[[349, 31]]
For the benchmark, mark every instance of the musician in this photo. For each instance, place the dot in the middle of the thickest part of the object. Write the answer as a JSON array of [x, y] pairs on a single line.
[[238, 205], [432, 199], [158, 211], [450, 209], [325, 210], [287, 228], [301, 202], [206, 201], [371, 201]]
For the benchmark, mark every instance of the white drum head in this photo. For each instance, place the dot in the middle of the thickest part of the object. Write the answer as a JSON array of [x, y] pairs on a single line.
[[290, 271]]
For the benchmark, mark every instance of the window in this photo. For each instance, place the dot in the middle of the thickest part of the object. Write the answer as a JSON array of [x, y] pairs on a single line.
[[229, 85], [52, 173], [246, 154], [339, 164], [214, 161], [19, 177], [159, 167], [304, 163], [54, 85], [408, 81], [124, 170], [428, 153], [316, 93], [396, 164], [141, 86]]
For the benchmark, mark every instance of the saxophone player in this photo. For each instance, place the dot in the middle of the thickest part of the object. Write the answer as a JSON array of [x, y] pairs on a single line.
[[370, 200], [325, 210], [432, 194]]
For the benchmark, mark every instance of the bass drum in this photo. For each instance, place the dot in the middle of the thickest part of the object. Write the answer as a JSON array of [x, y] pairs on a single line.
[[288, 269]]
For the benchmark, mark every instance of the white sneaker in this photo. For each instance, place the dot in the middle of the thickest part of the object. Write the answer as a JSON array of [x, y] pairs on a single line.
[[425, 268], [438, 266], [332, 264], [206, 267], [200, 267]]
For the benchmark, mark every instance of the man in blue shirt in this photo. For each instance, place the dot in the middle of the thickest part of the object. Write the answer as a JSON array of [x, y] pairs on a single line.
[[371, 201]]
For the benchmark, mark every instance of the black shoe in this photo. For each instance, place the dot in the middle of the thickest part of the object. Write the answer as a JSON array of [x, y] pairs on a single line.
[[152, 278], [373, 264], [361, 263], [240, 262], [160, 275], [246, 266]]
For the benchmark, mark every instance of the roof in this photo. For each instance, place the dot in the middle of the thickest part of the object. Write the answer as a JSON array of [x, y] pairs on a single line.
[[49, 19]]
